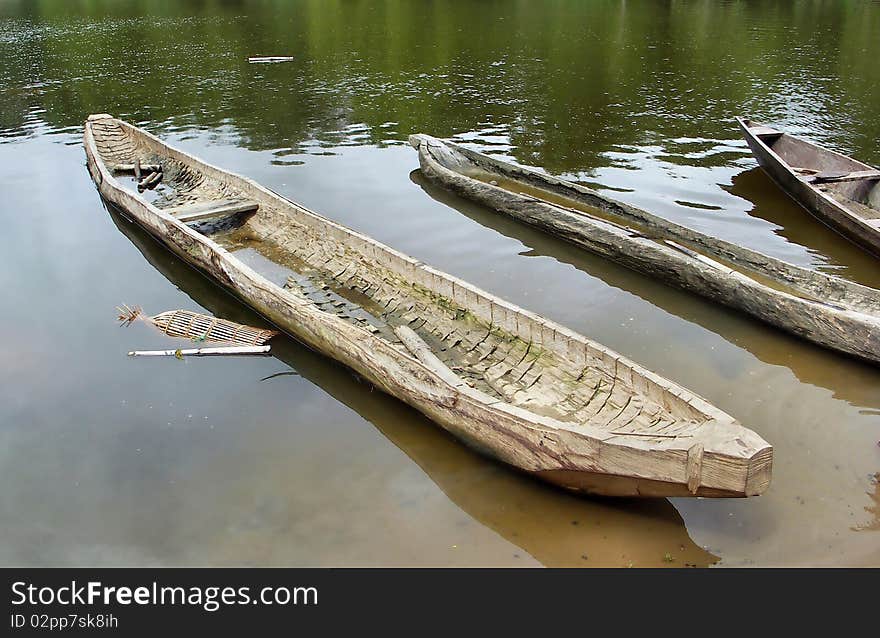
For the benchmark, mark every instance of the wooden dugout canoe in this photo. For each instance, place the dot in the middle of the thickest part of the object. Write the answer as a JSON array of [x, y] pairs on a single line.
[[826, 310], [514, 385], [841, 192], [540, 522]]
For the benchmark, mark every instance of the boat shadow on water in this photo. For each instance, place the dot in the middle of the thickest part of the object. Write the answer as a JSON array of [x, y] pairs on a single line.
[[771, 204], [847, 378], [556, 528]]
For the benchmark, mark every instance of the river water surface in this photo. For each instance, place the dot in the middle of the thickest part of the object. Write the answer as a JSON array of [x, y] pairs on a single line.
[[291, 460]]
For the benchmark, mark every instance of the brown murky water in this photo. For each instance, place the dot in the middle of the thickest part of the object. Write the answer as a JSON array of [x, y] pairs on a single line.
[[290, 460]]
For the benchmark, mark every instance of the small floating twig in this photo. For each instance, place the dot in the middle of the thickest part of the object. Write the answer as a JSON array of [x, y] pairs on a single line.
[[128, 315], [270, 58], [203, 352], [289, 373]]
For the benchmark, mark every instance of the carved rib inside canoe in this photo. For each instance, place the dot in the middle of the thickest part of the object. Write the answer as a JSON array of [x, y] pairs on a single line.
[[514, 385], [838, 190], [826, 310]]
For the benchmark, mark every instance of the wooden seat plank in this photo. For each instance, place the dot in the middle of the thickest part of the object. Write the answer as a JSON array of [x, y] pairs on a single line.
[[762, 131], [832, 176], [209, 210]]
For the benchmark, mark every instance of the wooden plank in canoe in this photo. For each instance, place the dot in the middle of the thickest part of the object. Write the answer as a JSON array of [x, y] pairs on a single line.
[[762, 131], [844, 176], [213, 209], [129, 168], [857, 209], [421, 351]]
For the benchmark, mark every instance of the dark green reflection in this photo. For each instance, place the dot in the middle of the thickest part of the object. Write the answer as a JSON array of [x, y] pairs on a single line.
[[564, 80]]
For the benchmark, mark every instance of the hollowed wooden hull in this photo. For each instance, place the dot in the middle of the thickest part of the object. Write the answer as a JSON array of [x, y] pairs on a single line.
[[851, 207], [514, 385], [826, 310]]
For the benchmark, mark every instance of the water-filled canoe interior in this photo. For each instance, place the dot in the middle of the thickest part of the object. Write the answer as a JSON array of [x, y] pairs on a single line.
[[509, 359]]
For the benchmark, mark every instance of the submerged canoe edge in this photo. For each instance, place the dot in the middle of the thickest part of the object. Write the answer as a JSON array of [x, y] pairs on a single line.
[[829, 311], [691, 449]]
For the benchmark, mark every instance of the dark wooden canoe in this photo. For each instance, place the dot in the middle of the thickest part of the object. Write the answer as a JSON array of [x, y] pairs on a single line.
[[509, 383], [841, 192], [826, 310]]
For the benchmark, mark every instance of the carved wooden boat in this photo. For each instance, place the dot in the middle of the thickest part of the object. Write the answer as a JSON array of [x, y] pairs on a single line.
[[838, 190], [522, 512], [514, 385], [826, 310]]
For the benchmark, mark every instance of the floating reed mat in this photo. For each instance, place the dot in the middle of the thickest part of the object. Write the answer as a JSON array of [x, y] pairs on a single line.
[[198, 327]]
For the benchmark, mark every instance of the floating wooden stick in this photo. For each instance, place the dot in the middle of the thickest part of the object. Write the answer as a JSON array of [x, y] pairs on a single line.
[[224, 351], [199, 327], [270, 58]]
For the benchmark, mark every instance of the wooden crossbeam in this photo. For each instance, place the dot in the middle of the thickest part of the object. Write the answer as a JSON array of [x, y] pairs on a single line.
[[211, 210], [846, 177], [421, 351], [129, 168], [762, 131]]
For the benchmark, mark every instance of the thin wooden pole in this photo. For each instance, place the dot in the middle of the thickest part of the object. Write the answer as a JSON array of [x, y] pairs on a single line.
[[202, 352]]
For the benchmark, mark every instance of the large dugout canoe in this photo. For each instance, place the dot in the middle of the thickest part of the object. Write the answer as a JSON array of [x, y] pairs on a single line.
[[830, 311], [539, 523], [509, 383], [841, 192]]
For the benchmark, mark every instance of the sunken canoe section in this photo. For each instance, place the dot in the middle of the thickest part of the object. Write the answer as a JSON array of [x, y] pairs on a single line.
[[511, 384], [841, 192], [826, 310]]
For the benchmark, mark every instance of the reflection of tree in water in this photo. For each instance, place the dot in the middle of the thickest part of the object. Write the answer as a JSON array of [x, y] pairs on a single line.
[[564, 83], [14, 108]]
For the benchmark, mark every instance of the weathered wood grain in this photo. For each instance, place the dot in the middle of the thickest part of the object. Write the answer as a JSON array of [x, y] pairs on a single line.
[[826, 310], [210, 210], [510, 383]]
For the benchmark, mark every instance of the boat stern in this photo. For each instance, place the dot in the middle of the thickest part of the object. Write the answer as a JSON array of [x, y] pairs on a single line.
[[721, 460], [729, 457]]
